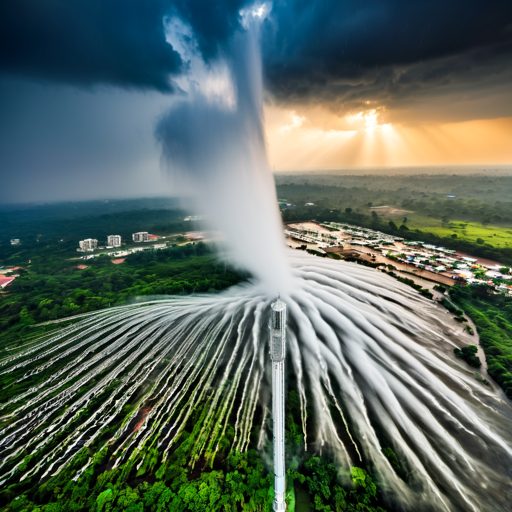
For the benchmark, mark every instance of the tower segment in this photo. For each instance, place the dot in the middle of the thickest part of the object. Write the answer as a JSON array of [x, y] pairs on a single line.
[[277, 354]]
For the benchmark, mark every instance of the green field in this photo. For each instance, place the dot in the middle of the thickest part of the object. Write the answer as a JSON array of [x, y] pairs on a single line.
[[475, 232]]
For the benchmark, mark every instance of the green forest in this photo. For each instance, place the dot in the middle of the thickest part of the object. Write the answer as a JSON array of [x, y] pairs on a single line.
[[53, 288]]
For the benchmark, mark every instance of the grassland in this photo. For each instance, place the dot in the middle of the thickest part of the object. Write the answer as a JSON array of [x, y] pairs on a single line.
[[471, 231]]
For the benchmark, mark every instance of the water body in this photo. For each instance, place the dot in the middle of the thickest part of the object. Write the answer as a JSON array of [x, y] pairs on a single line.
[[370, 358]]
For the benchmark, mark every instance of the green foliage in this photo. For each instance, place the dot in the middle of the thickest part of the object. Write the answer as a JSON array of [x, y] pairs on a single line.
[[235, 481], [53, 230], [322, 483], [244, 487], [492, 315], [468, 354], [104, 501]]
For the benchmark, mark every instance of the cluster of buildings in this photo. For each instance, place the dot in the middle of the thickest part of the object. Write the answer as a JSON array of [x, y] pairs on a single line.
[[332, 234], [114, 241], [453, 265], [141, 236], [87, 245], [144, 236], [91, 244], [414, 258]]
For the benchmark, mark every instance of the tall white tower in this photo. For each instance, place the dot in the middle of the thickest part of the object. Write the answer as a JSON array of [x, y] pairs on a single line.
[[277, 354]]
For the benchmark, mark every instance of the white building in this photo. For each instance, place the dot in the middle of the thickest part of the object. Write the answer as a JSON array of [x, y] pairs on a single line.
[[141, 236], [114, 240], [15, 241], [87, 245]]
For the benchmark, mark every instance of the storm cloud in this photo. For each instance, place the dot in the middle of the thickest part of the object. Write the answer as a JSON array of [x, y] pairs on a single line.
[[83, 82], [387, 51], [323, 47], [119, 42]]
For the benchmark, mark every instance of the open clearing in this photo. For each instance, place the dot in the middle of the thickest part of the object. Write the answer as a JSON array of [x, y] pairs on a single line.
[[497, 236]]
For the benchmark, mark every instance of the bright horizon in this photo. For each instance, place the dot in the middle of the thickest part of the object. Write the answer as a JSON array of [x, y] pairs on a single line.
[[298, 141]]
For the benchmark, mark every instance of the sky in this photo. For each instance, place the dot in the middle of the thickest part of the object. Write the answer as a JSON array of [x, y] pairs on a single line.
[[348, 85]]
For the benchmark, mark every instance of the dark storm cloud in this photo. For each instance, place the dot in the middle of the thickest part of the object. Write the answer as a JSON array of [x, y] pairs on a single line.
[[120, 42], [351, 51], [213, 21], [328, 48]]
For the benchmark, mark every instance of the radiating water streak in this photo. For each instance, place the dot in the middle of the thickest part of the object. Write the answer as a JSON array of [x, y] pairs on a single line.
[[161, 384], [397, 307], [65, 395], [180, 386], [392, 341], [141, 370], [316, 371], [378, 387], [296, 359], [245, 413], [76, 367], [203, 375], [41, 394], [208, 420], [228, 395], [376, 360], [331, 353], [127, 393], [88, 327], [74, 410], [356, 320]]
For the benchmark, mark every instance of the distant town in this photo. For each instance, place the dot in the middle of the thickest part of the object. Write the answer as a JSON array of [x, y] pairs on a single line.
[[427, 265], [114, 241], [113, 247], [149, 241]]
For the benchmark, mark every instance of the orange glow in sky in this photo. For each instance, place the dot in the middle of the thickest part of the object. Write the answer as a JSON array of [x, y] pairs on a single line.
[[315, 139]]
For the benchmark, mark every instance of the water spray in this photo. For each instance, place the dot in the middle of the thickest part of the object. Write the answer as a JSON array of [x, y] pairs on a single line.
[[277, 354]]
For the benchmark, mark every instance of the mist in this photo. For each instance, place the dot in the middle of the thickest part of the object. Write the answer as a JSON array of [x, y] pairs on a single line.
[[213, 147]]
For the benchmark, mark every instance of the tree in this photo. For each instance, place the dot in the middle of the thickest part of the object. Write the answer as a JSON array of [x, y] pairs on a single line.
[[392, 226], [468, 354], [104, 500], [25, 317]]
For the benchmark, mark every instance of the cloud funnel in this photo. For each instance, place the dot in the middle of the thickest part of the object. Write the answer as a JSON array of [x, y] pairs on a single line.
[[214, 147]]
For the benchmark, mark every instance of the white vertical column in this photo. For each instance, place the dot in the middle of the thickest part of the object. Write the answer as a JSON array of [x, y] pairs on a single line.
[[277, 354]]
